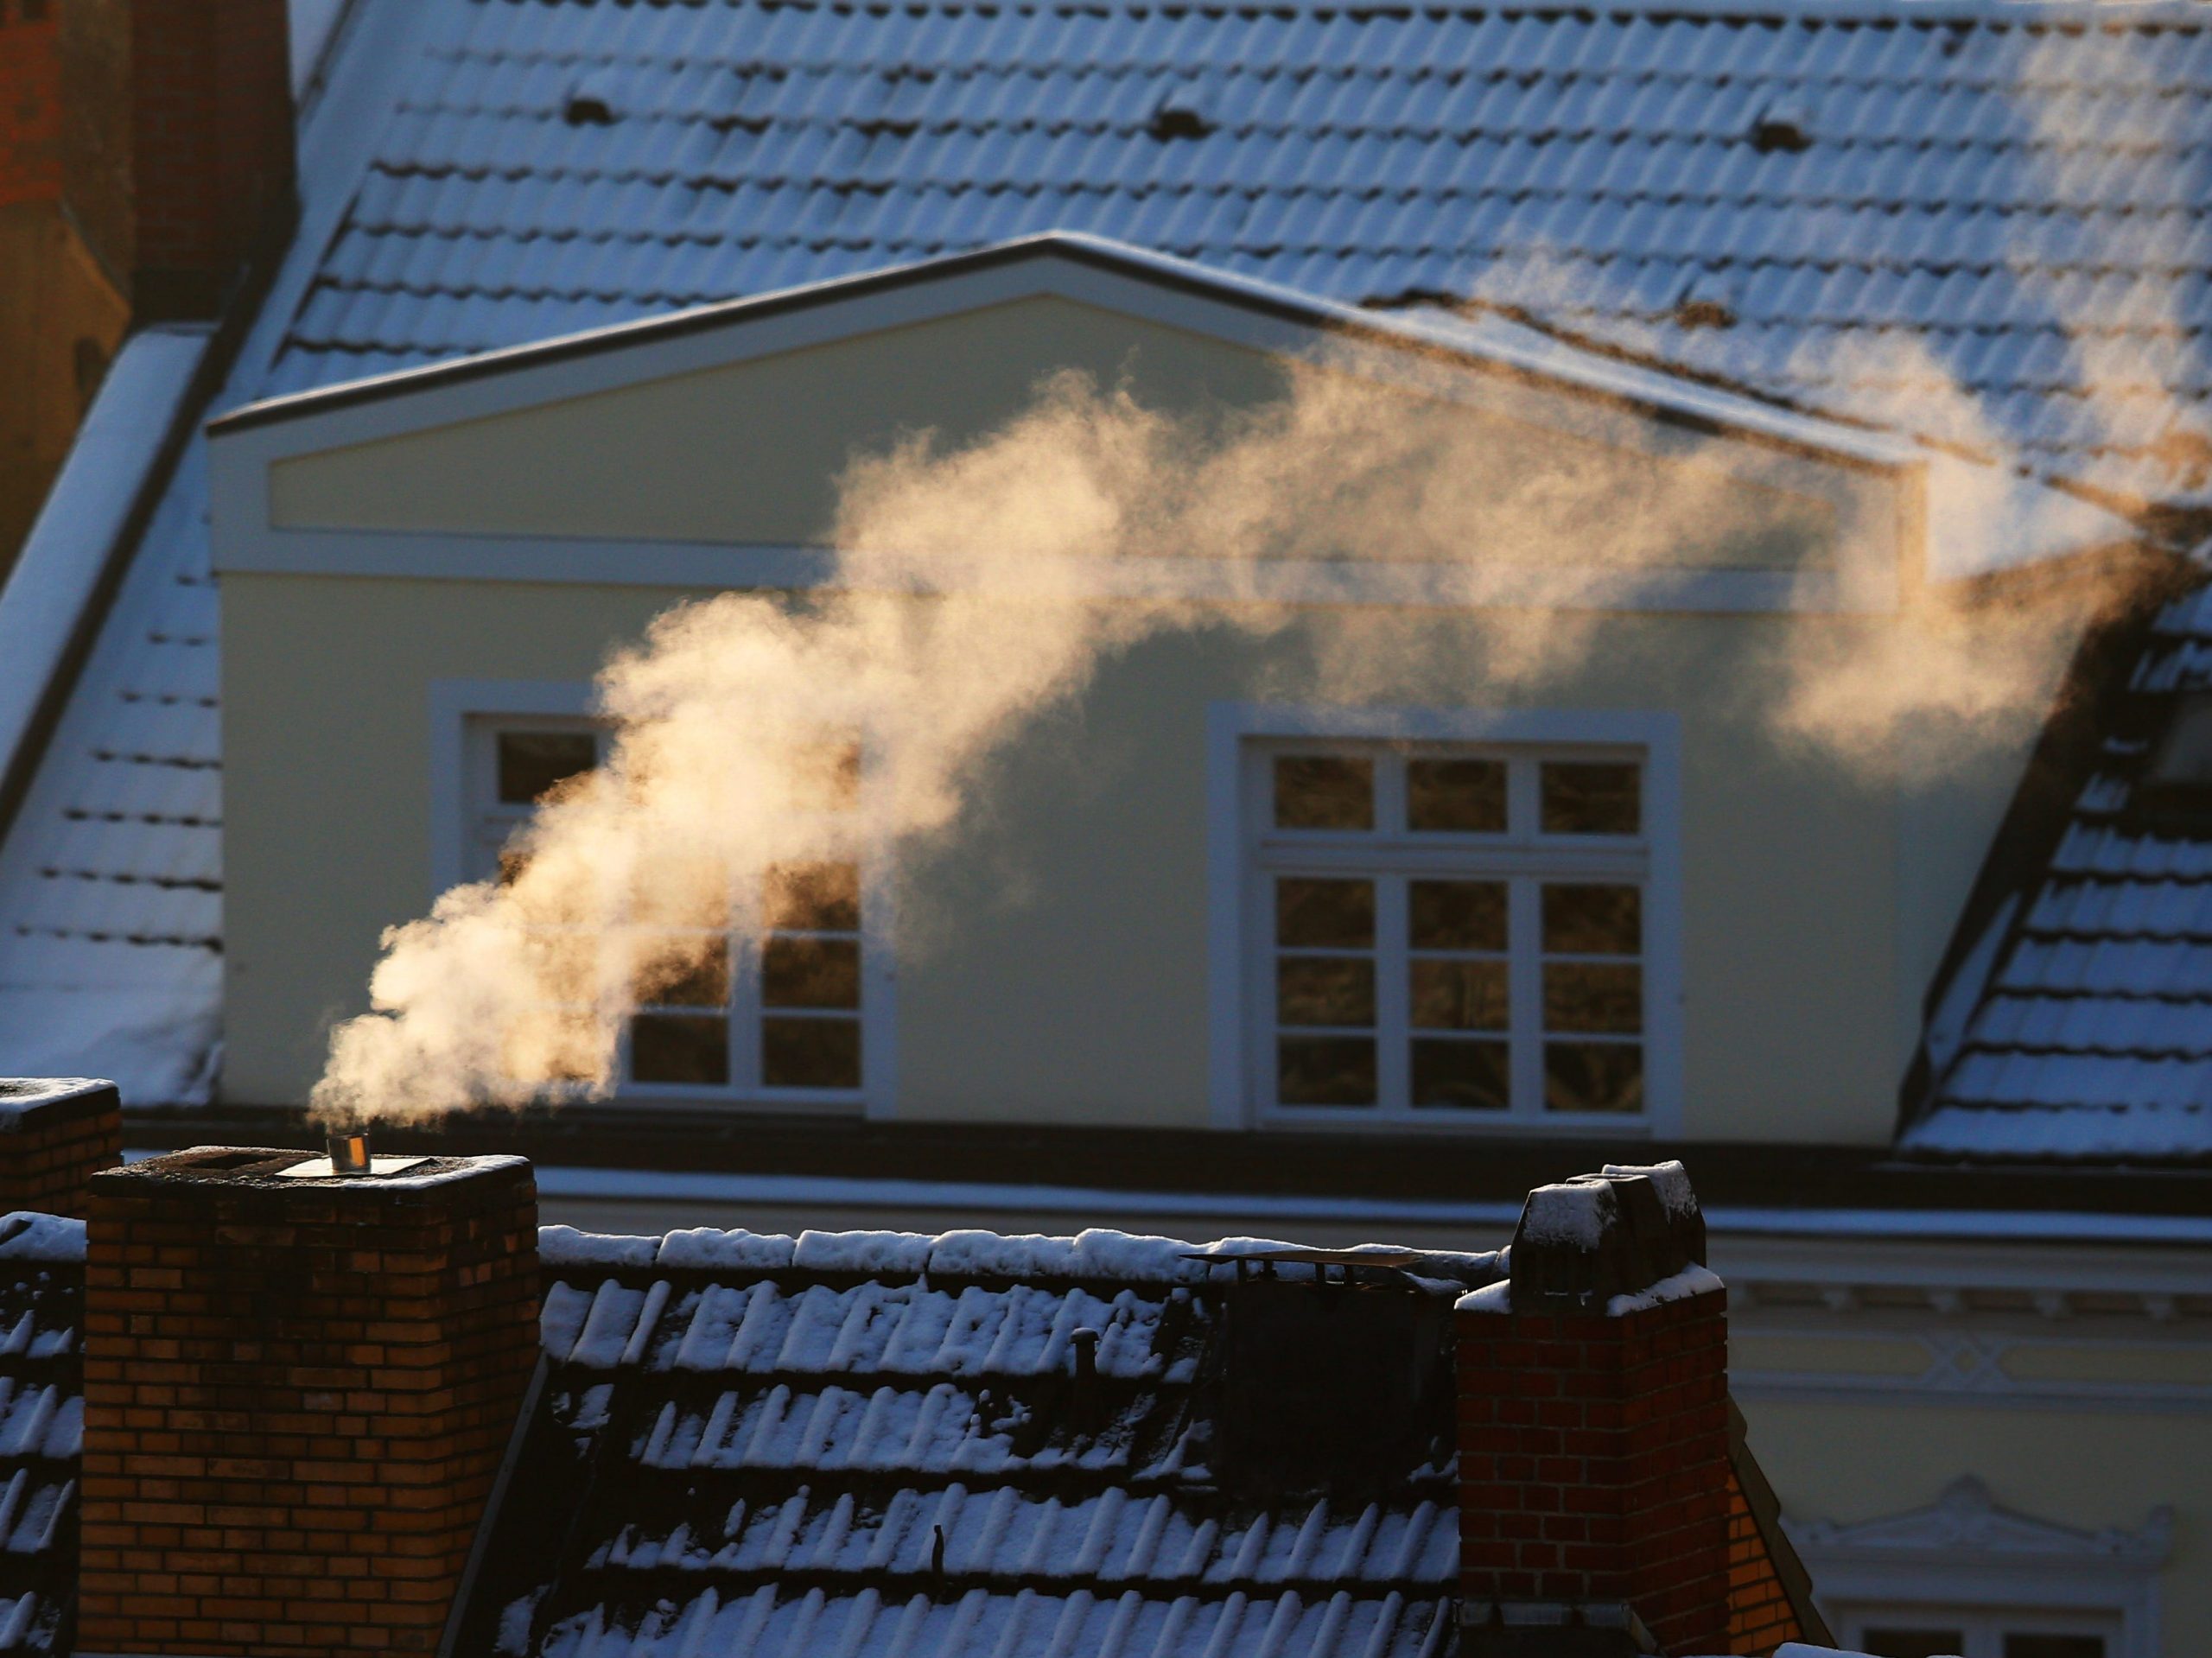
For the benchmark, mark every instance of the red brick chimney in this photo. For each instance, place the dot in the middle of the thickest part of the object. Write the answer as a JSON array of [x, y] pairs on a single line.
[[298, 1389], [177, 143], [54, 1132], [1594, 1428], [30, 106]]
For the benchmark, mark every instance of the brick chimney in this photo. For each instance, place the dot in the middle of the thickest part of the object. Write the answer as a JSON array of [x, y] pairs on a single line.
[[176, 142], [54, 1132], [30, 106], [298, 1389], [1594, 1429]]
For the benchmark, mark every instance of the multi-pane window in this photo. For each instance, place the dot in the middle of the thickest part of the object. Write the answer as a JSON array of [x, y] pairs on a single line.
[[760, 990], [1447, 933]]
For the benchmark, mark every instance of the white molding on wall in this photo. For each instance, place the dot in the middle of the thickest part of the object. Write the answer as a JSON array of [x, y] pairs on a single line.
[[1409, 584], [1230, 725], [1964, 1549]]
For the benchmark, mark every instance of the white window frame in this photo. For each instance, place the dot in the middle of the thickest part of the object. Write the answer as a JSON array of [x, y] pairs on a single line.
[[1236, 942], [465, 715]]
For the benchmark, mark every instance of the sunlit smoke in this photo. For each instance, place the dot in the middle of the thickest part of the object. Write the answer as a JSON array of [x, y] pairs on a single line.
[[764, 747]]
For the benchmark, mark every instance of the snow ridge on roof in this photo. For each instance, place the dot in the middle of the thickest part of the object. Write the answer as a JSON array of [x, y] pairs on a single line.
[[962, 1444]]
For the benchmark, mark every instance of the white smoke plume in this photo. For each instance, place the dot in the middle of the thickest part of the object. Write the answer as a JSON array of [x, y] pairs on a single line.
[[965, 602]]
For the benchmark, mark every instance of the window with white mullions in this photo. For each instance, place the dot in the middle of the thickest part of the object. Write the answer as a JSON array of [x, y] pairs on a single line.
[[747, 983], [1446, 932]]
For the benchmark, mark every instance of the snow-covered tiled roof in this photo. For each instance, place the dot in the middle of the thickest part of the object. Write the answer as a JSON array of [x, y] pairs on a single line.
[[2020, 200], [1952, 215], [41, 1428], [877, 1442], [2091, 1036]]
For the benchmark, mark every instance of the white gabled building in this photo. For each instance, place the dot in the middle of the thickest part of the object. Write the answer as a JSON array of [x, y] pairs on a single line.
[[1940, 1055]]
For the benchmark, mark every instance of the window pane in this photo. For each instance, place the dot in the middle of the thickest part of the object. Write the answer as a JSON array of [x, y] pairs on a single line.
[[1583, 798], [1461, 1075], [1324, 791], [2054, 1646], [530, 762], [1459, 995], [1325, 990], [811, 972], [1456, 914], [1325, 914], [1593, 920], [1593, 996], [1325, 1070], [1594, 1077], [815, 897], [671, 1048], [1914, 1644], [1465, 796], [682, 972], [811, 1052]]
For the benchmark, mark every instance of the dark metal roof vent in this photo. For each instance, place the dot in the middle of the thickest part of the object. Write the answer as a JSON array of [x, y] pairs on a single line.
[[1707, 300], [590, 103], [1785, 125], [1584, 1241], [1177, 115], [2175, 792], [1335, 1380]]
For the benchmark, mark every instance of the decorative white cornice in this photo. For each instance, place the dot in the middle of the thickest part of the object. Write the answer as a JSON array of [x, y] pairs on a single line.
[[1967, 1523]]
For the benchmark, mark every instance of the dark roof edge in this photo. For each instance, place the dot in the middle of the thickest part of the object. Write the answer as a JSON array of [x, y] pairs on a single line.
[[1773, 1179], [1086, 250], [1163, 270], [1766, 1514]]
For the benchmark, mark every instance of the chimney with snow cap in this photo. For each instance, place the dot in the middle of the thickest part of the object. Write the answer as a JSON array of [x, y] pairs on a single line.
[[1594, 1428], [54, 1132], [298, 1388]]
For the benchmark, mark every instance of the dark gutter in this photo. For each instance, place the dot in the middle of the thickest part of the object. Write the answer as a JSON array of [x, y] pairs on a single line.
[[1455, 1168]]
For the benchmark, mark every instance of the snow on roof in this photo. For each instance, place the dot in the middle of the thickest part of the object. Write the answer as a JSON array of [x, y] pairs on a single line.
[[2091, 1036], [890, 1449], [1877, 210], [42, 1427]]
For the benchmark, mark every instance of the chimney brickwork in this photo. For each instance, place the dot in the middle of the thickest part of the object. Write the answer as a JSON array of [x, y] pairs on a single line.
[[1594, 1422], [298, 1393], [55, 1135], [177, 143], [30, 109]]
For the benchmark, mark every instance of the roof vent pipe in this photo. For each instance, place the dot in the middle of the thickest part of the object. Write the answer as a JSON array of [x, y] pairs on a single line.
[[349, 1151]]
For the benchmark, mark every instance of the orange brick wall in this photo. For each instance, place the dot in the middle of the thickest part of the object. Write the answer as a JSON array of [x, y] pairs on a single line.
[[1760, 1617], [296, 1397], [53, 1136], [1594, 1463]]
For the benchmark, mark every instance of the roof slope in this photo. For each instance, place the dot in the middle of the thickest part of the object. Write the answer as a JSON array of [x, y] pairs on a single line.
[[1978, 178], [42, 1429], [1886, 204], [882, 1443], [2093, 1035]]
